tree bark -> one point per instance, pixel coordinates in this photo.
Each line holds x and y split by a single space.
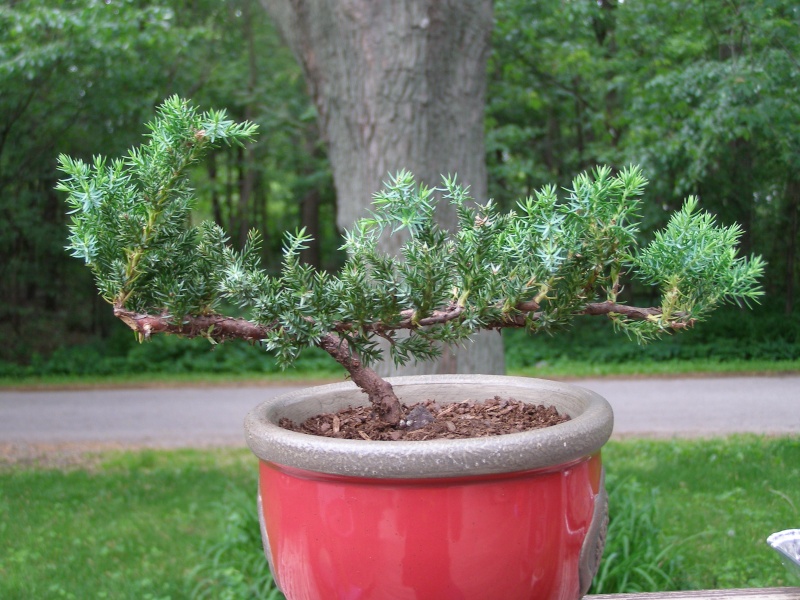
247 167
309 219
247 180
793 228
216 206
398 85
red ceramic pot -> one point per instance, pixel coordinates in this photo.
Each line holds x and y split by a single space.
518 516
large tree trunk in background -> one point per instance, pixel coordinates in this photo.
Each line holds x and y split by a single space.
309 219
398 85
247 166
793 228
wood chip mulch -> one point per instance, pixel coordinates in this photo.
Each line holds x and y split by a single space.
430 421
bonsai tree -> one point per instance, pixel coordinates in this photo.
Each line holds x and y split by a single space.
537 267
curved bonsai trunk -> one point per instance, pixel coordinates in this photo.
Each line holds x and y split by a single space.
380 392
399 85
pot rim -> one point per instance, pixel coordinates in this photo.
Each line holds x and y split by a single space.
583 435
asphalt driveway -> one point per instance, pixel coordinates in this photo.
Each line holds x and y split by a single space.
212 416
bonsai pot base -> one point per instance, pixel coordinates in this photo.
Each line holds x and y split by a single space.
439 520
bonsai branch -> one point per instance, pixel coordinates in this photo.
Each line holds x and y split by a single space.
213 326
516 318
408 320
220 328
637 314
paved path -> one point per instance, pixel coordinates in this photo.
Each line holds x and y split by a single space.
175 417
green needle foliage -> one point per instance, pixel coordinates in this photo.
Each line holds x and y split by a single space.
536 267
130 217
694 264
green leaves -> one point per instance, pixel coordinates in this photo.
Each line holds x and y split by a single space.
701 95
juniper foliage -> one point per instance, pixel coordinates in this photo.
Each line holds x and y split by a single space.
538 266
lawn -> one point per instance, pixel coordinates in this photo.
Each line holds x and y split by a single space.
718 500
131 526
181 524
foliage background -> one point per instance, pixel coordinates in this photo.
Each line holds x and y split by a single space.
703 95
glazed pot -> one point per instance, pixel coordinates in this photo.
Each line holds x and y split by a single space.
515 516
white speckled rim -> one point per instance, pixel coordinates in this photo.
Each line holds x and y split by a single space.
589 428
787 543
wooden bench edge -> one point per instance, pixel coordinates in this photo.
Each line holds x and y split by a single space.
787 593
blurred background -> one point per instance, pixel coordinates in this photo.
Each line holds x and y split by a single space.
703 95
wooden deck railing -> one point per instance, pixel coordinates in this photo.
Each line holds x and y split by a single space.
788 593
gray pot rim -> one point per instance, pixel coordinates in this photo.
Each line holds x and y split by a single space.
589 428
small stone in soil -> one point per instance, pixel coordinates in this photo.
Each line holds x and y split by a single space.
418 417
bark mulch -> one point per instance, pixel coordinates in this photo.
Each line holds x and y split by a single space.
430 421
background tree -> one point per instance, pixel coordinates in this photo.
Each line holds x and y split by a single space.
62 85
81 77
716 114
398 85
700 94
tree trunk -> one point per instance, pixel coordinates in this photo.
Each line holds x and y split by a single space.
247 164
309 219
247 178
216 206
398 85
793 228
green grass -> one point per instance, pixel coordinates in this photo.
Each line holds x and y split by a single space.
234 566
304 376
565 368
637 557
164 358
132 528
181 524
718 500
559 369
732 341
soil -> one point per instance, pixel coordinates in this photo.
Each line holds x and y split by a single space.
430 421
